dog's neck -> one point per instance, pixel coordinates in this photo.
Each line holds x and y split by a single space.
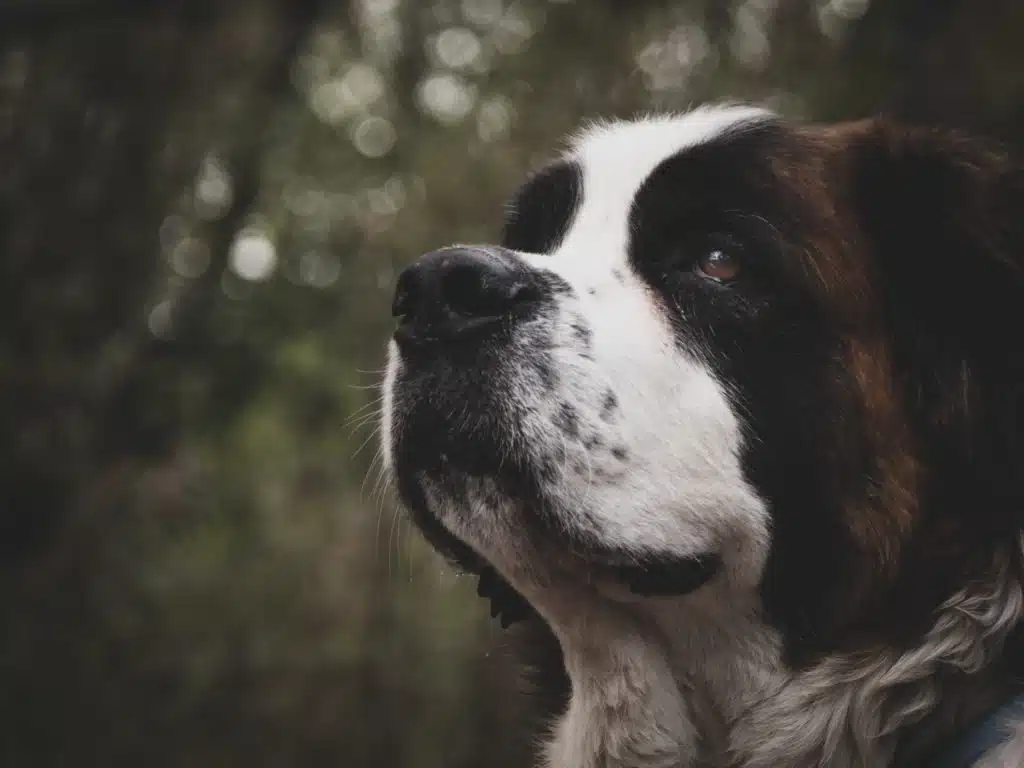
674 681
726 658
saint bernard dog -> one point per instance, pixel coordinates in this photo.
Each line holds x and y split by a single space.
733 419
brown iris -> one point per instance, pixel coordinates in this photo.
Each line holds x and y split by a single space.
719 265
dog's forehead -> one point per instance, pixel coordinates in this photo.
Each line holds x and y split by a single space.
631 149
615 158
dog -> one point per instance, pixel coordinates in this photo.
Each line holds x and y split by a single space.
733 417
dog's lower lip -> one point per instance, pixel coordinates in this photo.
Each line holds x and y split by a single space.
666 577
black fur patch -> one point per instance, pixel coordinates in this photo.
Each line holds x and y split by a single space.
541 212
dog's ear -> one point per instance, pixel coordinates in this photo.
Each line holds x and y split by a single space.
923 274
942 221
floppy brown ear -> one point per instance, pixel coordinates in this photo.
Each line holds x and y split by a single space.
942 216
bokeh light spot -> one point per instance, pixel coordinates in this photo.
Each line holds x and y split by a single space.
374 136
190 257
159 321
483 13
253 256
512 33
494 119
835 15
668 63
394 187
457 47
214 189
319 269
357 90
446 97
329 102
172 230
749 43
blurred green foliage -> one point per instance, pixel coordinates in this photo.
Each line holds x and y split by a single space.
203 206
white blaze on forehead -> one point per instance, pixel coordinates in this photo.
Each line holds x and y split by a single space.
616 158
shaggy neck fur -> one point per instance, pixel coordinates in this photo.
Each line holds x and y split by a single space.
710 690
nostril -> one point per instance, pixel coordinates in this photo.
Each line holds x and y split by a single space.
474 292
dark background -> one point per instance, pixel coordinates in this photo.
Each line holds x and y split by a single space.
203 206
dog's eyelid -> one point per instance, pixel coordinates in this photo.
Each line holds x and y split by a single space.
692 250
724 241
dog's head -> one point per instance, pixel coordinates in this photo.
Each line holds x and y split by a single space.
719 347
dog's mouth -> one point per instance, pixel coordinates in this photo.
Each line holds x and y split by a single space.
670 577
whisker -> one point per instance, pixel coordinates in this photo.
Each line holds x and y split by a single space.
367 418
382 481
377 456
362 409
374 433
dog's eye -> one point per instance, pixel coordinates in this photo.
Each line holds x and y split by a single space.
720 265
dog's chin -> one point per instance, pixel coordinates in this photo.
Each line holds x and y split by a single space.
493 534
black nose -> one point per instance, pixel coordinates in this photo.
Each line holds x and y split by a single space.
453 291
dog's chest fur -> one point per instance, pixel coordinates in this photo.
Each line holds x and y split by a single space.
744 708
